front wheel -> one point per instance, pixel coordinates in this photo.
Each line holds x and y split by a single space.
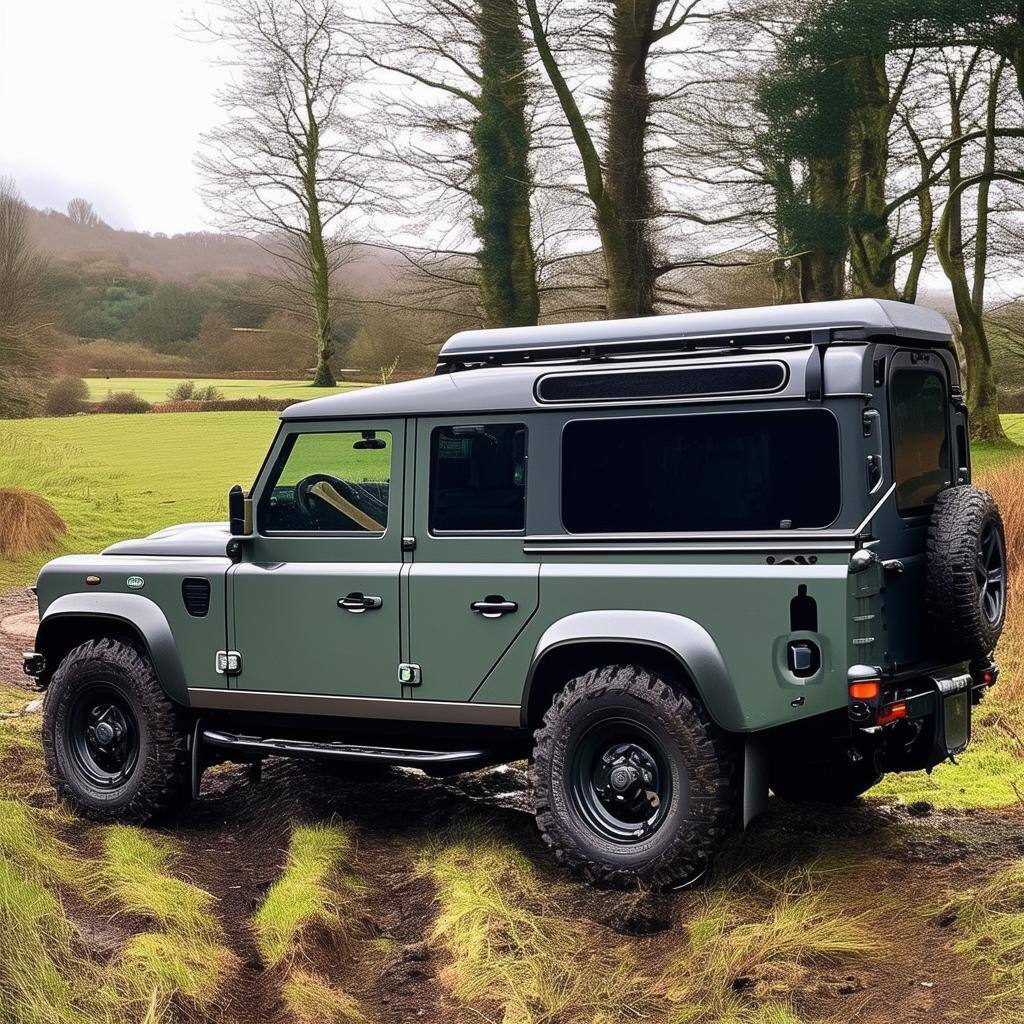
632 782
116 747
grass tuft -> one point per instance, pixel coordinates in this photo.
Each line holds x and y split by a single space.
187 957
742 962
134 874
42 980
510 947
27 839
313 1000
307 894
990 920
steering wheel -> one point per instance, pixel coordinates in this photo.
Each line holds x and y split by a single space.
337 494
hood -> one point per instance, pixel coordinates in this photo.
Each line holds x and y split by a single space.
201 540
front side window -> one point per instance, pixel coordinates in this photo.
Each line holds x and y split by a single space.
920 438
478 478
682 474
335 482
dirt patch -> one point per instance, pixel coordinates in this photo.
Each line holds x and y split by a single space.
18 620
235 838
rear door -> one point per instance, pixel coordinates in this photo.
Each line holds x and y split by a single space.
923 457
470 591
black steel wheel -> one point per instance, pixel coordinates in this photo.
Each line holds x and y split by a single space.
621 780
966 579
632 782
116 746
103 735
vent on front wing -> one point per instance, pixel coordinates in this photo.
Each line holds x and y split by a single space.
195 592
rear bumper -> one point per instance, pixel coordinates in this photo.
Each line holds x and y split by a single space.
919 723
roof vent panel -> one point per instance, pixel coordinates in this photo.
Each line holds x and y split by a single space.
675 382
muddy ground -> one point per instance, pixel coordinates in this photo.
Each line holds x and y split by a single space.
235 837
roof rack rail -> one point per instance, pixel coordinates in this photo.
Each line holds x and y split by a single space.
765 327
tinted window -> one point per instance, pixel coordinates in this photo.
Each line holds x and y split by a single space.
744 471
920 440
335 482
478 478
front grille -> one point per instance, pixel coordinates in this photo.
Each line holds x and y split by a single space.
195 592
681 382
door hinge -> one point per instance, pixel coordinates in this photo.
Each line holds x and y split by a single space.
408 543
228 663
409 674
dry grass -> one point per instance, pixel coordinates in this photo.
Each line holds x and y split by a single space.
750 946
990 921
311 893
28 523
186 956
513 953
312 999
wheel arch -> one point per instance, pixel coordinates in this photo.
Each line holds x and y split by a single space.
660 641
75 618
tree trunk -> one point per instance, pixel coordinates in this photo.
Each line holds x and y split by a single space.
627 180
319 263
982 397
872 268
629 286
504 181
823 264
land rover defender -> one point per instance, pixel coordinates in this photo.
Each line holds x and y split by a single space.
676 562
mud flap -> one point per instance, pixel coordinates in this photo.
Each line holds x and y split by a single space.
755 780
200 758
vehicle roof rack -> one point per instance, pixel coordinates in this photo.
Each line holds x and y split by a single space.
801 324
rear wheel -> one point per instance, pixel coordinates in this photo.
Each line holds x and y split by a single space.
116 747
632 782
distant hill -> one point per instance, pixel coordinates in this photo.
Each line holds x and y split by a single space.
185 257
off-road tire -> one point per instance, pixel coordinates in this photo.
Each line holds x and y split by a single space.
160 780
703 804
837 782
958 523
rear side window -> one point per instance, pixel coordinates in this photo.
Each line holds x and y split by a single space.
478 478
920 438
668 474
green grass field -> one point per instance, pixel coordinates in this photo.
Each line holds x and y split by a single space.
154 389
112 477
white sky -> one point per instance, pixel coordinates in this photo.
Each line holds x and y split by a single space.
106 99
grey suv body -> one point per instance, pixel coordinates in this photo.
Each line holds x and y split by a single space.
675 561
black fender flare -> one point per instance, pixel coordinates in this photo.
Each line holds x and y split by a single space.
687 641
139 613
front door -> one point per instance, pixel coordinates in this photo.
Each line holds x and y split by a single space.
471 593
315 600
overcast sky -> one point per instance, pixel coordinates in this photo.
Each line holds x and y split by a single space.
106 99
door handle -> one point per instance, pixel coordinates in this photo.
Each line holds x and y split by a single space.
493 607
357 603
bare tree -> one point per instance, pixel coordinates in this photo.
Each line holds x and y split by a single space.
285 167
466 146
81 211
619 183
21 270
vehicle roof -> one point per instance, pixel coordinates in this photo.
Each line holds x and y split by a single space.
493 388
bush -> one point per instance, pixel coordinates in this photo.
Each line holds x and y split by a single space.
28 523
67 396
258 404
189 391
122 401
122 357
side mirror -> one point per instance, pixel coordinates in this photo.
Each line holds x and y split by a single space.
239 512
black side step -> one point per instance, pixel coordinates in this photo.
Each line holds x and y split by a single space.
458 760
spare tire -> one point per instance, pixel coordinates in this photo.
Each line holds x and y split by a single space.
966 572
